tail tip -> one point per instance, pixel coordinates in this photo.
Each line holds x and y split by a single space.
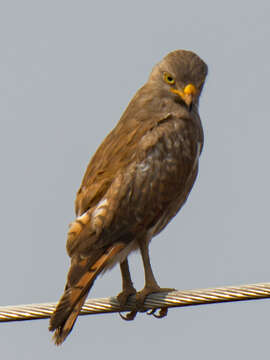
58 337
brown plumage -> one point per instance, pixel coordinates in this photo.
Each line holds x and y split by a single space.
81 277
136 182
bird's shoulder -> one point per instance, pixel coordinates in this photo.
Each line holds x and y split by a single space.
115 153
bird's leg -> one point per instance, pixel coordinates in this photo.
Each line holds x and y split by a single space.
151 285
150 281
128 289
127 284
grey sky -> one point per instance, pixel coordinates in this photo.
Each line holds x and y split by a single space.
68 69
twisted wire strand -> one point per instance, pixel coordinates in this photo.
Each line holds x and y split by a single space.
153 301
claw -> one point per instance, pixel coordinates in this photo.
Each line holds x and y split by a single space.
151 312
162 312
129 316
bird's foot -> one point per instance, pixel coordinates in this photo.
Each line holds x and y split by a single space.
129 316
140 299
141 295
161 314
122 297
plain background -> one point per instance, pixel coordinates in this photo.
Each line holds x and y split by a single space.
67 71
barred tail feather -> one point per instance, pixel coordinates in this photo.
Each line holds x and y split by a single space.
70 304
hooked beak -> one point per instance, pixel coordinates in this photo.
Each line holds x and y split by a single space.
187 95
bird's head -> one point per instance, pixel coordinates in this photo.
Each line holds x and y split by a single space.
181 75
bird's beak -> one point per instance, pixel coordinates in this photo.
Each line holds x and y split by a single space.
188 94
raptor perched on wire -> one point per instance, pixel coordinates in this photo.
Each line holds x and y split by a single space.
137 181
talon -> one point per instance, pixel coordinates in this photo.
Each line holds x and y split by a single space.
151 312
129 316
162 313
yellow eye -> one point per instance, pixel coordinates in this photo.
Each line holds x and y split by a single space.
201 84
168 78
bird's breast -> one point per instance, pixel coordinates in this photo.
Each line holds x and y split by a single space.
163 174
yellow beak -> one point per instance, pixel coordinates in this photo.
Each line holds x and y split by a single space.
188 94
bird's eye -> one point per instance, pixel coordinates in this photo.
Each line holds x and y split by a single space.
201 84
168 78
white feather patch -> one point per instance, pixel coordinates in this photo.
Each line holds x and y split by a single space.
101 207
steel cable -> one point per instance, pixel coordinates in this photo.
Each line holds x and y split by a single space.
153 301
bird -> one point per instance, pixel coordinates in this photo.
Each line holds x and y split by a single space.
136 182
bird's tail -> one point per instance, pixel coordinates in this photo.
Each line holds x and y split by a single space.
81 277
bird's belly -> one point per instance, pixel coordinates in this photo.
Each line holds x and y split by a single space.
172 208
